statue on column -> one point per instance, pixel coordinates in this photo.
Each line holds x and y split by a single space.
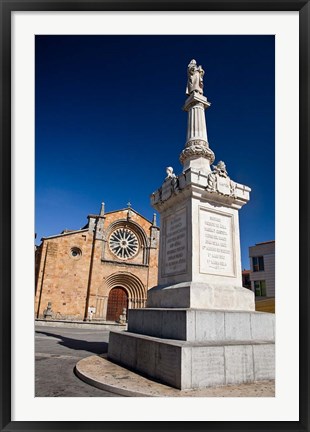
194 78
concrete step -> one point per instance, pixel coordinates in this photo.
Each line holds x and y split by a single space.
189 365
201 324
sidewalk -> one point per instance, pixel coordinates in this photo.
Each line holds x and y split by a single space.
106 325
102 373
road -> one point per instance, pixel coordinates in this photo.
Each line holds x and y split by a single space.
58 349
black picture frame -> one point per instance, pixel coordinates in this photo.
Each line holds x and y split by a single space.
7 7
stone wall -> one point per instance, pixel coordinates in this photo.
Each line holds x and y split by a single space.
77 270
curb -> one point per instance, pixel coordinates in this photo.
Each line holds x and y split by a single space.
80 324
103 386
100 372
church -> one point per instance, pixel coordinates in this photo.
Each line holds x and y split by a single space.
99 271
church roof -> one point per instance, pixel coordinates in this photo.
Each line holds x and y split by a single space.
131 209
66 232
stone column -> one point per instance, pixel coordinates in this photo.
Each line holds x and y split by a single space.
199 253
196 128
197 153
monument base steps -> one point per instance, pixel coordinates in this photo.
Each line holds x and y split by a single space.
197 348
191 365
201 295
198 325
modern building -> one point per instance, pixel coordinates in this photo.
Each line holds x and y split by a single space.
262 276
246 281
98 271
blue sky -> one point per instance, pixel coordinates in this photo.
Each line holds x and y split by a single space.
109 120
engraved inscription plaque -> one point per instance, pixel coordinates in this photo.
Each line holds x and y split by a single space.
175 247
216 243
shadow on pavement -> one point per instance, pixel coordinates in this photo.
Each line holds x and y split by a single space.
78 344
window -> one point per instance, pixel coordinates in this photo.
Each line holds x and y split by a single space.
260 288
123 243
258 264
75 252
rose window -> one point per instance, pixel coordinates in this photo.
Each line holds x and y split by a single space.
123 243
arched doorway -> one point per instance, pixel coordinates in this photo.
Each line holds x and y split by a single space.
117 301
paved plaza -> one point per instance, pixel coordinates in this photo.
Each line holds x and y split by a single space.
58 349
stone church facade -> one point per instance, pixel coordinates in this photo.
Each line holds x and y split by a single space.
99 270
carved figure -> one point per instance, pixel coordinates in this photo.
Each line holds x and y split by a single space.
232 188
220 169
123 317
170 173
211 186
48 313
175 184
194 78
218 181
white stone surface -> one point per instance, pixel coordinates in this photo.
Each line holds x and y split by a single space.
201 296
239 364
208 367
263 326
264 362
175 255
209 326
196 128
238 326
216 249
200 325
190 365
199 164
200 243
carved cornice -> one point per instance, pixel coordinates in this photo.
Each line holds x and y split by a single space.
194 99
196 148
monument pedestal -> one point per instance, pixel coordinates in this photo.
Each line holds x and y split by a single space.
200 327
199 254
201 295
190 348
197 348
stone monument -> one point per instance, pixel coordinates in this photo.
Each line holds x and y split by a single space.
200 327
48 313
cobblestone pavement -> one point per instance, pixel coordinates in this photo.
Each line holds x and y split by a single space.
58 349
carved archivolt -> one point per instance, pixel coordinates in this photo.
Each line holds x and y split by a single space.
131 283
